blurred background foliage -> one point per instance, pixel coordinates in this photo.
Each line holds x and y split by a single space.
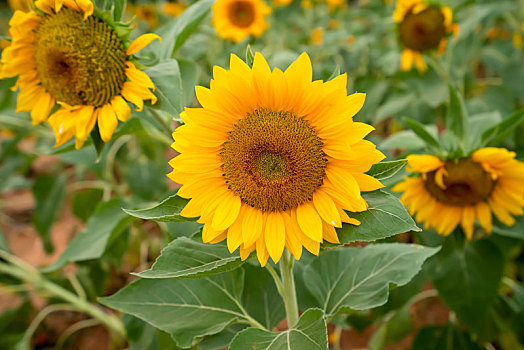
60 206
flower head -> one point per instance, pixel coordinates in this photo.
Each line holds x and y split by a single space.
422 27
448 192
273 159
238 19
175 8
70 57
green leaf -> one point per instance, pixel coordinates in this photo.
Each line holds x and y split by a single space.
189 71
446 337
477 124
309 333
393 329
108 220
359 278
3 242
250 57
167 211
497 134
514 231
142 336
457 116
186 258
385 217
183 27
168 83
261 297
422 133
49 193
84 202
97 141
145 178
407 140
467 277
385 170
336 73
185 308
118 9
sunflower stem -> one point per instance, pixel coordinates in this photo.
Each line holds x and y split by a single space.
288 289
27 273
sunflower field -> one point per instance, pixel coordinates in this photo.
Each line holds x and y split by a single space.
262 174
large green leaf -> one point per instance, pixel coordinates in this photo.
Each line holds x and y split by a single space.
447 337
467 277
49 193
385 217
183 27
308 334
187 258
108 220
497 134
185 308
422 133
261 297
168 83
385 170
456 117
514 231
166 211
359 278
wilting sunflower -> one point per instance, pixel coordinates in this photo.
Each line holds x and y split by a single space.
422 27
452 192
273 159
70 57
238 19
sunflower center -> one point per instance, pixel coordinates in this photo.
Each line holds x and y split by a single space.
424 30
273 160
241 13
466 184
79 62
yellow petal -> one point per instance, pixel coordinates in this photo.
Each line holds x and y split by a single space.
309 222
121 108
326 208
226 212
252 225
275 235
467 221
262 253
208 234
107 122
483 214
406 60
138 76
141 42
366 182
234 233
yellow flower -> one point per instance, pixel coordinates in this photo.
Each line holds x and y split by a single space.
334 4
69 57
449 193
175 8
147 13
272 159
238 19
22 5
317 35
277 3
422 27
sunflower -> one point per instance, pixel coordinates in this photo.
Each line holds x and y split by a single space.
237 19
273 159
175 8
452 192
422 27
68 58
